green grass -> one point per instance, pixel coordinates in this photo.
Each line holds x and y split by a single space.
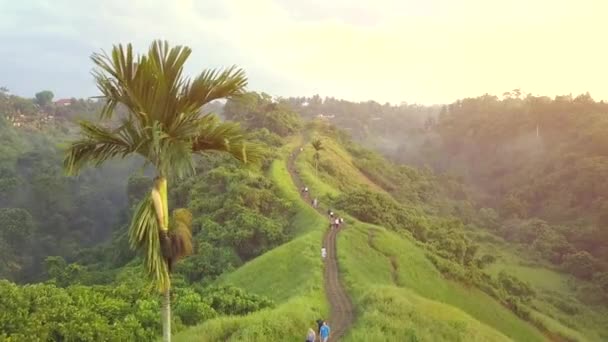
397 314
287 322
540 277
366 267
556 328
343 175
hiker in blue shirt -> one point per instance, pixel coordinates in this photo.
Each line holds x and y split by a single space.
324 334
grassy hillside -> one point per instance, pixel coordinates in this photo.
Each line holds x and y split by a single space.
564 307
291 275
398 292
385 270
374 258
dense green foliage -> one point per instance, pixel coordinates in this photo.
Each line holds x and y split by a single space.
43 212
238 217
365 120
262 111
537 163
126 310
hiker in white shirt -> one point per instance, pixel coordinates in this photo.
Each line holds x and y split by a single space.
323 252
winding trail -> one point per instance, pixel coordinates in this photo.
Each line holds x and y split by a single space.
341 308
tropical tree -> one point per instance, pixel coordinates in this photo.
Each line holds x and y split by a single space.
317 144
165 126
44 98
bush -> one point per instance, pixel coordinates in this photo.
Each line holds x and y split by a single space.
486 260
565 305
516 305
191 308
581 264
515 287
76 313
230 300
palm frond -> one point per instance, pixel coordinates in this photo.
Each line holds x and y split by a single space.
317 144
115 76
152 86
228 137
144 236
215 84
97 145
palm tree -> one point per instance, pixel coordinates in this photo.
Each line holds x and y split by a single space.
317 144
164 125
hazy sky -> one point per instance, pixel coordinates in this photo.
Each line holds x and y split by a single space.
432 51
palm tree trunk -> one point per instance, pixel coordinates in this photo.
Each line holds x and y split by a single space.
159 198
161 207
166 315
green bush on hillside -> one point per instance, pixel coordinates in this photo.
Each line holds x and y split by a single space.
230 300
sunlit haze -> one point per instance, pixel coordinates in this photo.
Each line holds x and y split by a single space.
428 52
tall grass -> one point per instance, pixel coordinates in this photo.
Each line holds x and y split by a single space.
398 314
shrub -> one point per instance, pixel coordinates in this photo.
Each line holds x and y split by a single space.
230 300
486 260
515 287
581 264
191 308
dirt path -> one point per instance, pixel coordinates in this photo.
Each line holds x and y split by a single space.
341 308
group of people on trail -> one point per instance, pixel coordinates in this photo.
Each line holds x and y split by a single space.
334 223
322 331
334 220
314 202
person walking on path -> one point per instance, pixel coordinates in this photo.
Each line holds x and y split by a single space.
324 332
323 253
311 336
319 325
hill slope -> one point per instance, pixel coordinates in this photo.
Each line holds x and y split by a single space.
373 258
562 307
397 291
